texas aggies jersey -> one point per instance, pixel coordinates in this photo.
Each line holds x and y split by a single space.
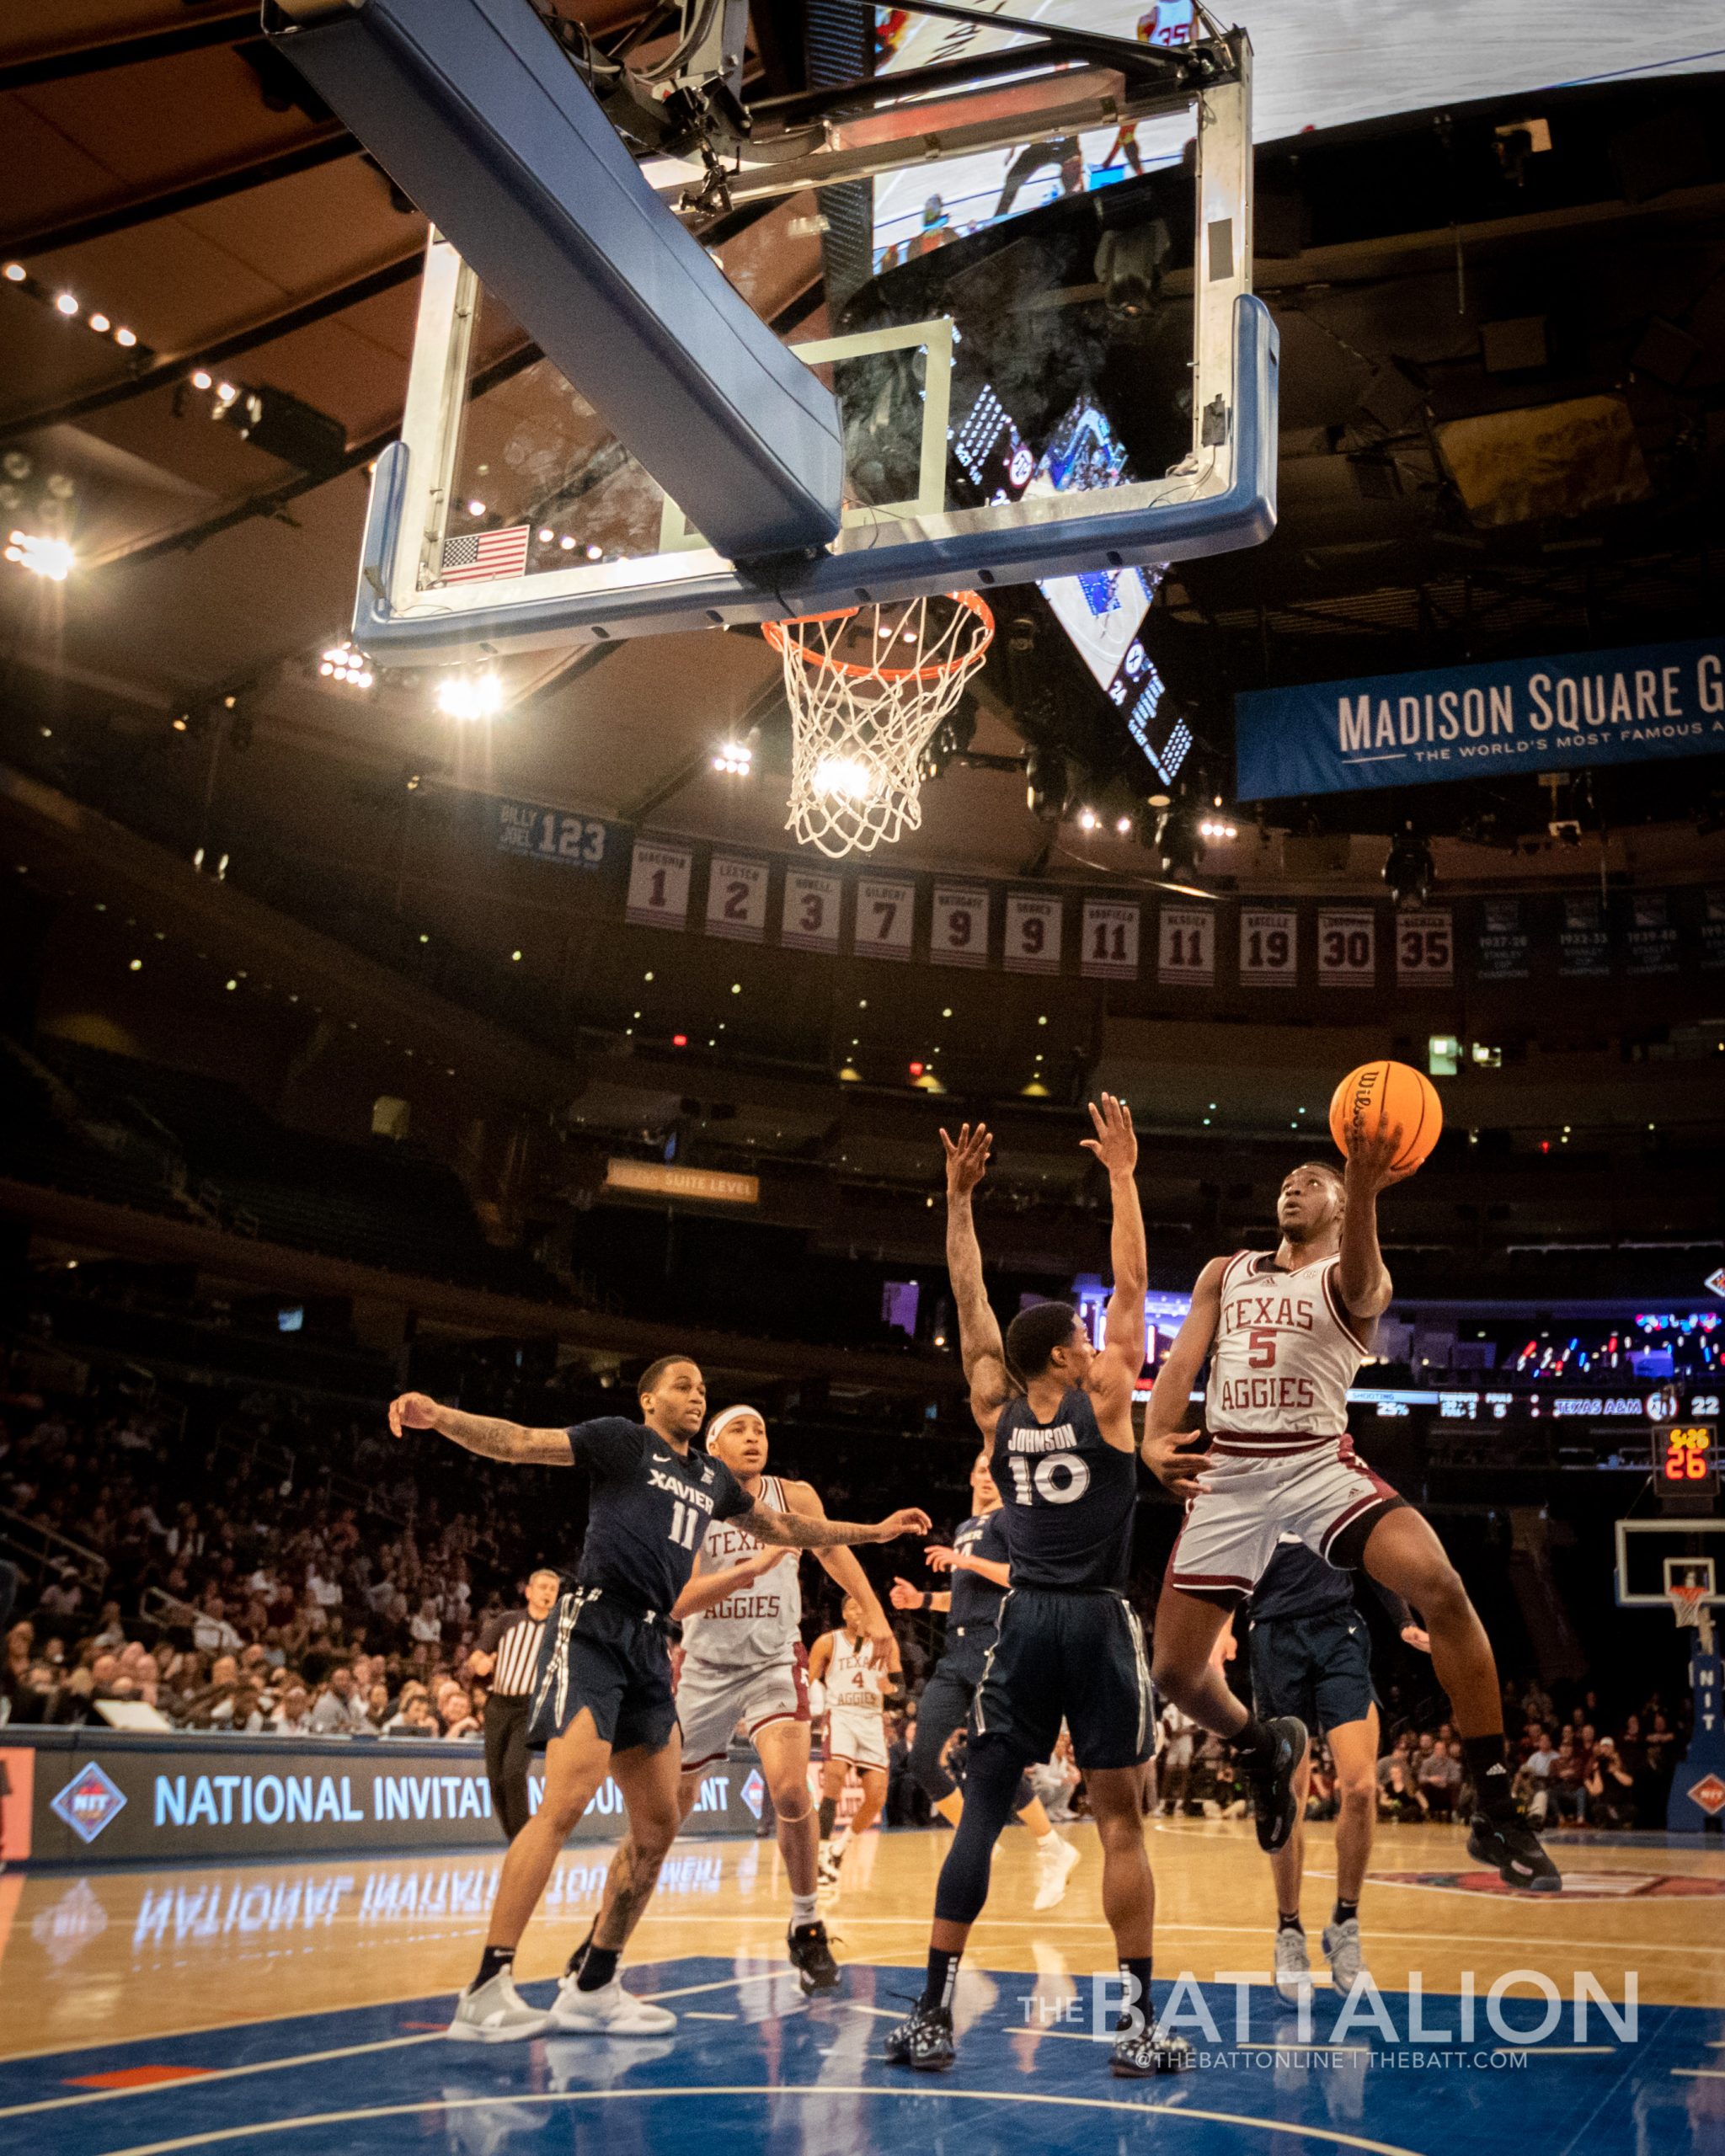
855 1684
1285 1353
762 1621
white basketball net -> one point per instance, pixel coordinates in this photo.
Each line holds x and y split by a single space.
868 687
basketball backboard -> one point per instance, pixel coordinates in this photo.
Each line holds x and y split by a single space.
1014 410
1654 1555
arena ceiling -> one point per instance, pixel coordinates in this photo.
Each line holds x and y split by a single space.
170 176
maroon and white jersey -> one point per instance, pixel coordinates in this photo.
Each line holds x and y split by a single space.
762 1622
1285 1353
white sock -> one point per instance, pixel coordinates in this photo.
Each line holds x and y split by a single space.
1047 1836
805 1910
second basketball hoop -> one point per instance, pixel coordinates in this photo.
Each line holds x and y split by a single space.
868 685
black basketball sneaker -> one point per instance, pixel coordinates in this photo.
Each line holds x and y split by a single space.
1137 2055
811 1956
923 2040
1272 1787
1511 1846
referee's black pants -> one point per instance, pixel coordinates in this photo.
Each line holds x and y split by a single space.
506 1758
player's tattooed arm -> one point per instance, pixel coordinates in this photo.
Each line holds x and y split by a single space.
1115 1371
980 1344
482 1434
802 1498
1167 1421
797 1531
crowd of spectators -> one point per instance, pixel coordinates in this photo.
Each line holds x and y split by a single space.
245 1595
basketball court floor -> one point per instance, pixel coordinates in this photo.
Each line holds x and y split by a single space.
302 2007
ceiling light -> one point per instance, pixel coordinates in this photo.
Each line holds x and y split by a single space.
16 273
470 696
567 544
594 553
845 778
200 380
736 757
50 557
546 535
1123 824
476 509
342 663
67 304
100 324
127 337
1086 819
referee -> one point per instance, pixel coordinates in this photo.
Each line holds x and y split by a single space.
508 1653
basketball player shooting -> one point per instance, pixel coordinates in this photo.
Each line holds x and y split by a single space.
1285 1334
602 1697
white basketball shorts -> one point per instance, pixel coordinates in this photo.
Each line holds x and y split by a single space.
858 1735
1255 1488
711 1700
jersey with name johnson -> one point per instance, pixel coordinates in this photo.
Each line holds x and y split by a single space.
1068 1496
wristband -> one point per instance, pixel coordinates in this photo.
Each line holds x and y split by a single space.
928 1601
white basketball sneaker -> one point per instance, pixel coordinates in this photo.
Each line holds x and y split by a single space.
1056 1860
1342 1952
1293 1966
496 2013
610 2011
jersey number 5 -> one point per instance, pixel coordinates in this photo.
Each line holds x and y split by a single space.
1045 1480
1263 1351
685 1524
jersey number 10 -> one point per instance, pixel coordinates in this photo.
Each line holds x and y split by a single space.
1044 1481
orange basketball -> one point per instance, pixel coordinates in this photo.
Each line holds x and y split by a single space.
1388 1094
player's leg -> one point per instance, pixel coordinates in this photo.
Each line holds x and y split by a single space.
873 1780
1057 1858
490 2010
833 1770
943 1708
1279 1655
590 2000
1293 1960
1188 1629
1353 1747
1403 1552
783 1747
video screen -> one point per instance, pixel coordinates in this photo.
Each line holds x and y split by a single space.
1314 67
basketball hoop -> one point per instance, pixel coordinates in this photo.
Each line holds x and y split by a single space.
1689 1606
862 717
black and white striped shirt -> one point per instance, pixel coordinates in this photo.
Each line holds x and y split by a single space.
514 1638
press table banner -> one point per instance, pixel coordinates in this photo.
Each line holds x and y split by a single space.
1460 722
97 1796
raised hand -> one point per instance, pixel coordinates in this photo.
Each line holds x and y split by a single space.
1174 1467
909 1521
1115 1143
967 1158
941 1558
1371 1160
412 1411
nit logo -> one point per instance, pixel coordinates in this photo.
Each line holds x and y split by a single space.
1710 1793
88 1802
753 1792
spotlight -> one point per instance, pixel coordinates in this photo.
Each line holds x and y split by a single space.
736 757
846 778
16 273
470 696
200 380
127 337
66 305
1217 827
1123 824
100 324
1409 870
1087 819
50 557
342 663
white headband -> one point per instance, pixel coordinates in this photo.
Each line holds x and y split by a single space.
731 1415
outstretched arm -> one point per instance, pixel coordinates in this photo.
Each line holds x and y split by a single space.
980 1344
1115 1370
796 1531
481 1434
942 1557
1167 1422
1362 1278
706 1590
906 1596
842 1564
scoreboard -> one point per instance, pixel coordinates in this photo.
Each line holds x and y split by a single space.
1687 1455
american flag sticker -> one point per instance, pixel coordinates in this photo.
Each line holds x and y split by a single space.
476 556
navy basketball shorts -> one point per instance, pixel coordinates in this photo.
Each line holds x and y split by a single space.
603 1656
1076 1656
1318 1668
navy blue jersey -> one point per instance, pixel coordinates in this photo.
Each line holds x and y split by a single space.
649 1508
1299 1584
975 1600
1068 1494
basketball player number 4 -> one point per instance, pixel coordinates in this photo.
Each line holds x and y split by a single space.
1029 1483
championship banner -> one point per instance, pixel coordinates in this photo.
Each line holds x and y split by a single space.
556 834
1652 938
1634 705
959 933
1713 929
1269 946
1186 948
810 920
659 885
1585 939
1347 947
1500 946
736 898
1033 934
1110 945
886 917
1425 949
